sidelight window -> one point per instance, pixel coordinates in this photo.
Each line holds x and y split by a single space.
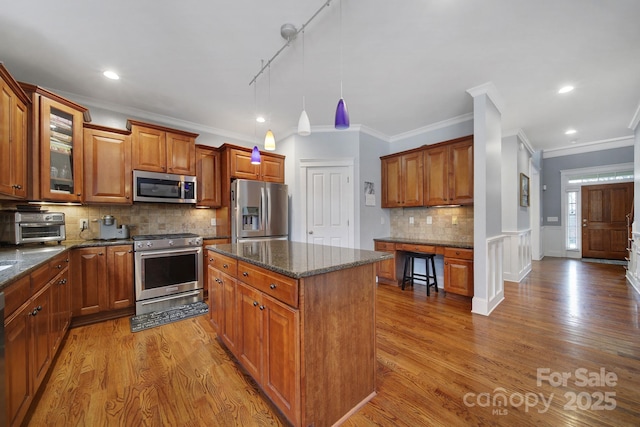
572 220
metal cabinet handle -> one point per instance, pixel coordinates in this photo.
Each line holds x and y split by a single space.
245 274
255 303
262 307
210 259
225 265
100 253
272 286
59 267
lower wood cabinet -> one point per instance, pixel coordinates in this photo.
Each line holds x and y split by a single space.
36 320
102 279
386 270
458 271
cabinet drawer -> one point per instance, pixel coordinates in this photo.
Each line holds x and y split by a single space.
278 286
223 263
16 294
427 249
458 253
385 246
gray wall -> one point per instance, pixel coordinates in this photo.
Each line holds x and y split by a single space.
552 197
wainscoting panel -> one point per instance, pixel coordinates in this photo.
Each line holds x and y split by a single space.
495 277
517 255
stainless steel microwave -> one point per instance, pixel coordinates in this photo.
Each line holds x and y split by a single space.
163 187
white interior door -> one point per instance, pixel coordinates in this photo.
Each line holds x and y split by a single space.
329 206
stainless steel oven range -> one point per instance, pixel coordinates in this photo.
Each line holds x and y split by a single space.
167 270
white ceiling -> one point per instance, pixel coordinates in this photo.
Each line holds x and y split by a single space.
406 64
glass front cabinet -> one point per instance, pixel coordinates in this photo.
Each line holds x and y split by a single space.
57 142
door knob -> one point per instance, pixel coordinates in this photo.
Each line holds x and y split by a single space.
311 232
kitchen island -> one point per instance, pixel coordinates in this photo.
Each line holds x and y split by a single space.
300 318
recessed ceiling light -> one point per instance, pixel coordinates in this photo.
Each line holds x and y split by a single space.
111 75
570 132
260 119
566 89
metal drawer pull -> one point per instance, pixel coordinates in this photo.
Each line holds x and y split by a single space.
273 286
255 303
225 265
245 274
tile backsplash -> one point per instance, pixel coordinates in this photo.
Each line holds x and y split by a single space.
144 218
442 225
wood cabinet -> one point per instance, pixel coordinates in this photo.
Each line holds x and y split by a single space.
36 320
458 271
402 180
208 176
102 279
56 166
160 149
386 270
107 165
13 137
448 177
270 169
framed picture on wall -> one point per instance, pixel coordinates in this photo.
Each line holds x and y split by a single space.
524 190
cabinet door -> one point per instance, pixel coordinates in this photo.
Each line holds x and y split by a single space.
13 143
458 276
88 281
17 354
436 187
149 149
208 176
249 342
229 322
107 167
216 297
40 335
281 353
181 154
61 151
412 179
392 182
272 168
60 308
461 173
120 276
386 269
240 165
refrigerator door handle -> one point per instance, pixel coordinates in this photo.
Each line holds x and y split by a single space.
263 210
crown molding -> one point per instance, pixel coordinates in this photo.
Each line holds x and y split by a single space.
635 119
491 91
432 127
588 147
146 115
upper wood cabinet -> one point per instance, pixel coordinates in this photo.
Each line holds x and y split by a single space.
107 165
402 181
14 119
160 149
448 177
56 139
271 167
208 176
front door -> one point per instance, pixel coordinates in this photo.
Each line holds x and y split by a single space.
604 220
329 202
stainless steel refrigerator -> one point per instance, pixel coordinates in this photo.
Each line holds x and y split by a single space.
260 211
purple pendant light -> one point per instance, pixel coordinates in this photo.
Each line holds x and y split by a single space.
255 155
342 115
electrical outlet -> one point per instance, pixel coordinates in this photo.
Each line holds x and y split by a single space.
84 224
429 219
381 220
213 221
410 220
454 220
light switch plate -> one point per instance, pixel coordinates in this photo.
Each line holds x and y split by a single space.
410 220
429 219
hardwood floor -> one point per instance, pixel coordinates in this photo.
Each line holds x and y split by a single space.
438 364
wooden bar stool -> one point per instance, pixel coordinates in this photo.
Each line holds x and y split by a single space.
408 274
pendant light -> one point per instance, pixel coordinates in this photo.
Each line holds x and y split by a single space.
304 127
269 139
342 115
255 153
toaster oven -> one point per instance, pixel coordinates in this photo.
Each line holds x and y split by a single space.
17 227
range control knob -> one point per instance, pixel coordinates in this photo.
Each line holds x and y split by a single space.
170 243
149 244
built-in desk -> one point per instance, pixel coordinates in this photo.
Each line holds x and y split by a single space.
457 261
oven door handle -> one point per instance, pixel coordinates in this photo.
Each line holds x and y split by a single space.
174 296
169 251
39 224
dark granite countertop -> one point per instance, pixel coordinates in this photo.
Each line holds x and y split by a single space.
296 259
432 242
